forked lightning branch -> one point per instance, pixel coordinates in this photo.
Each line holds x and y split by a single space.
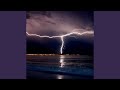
62 37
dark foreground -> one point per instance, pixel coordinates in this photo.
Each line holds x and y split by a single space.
59 67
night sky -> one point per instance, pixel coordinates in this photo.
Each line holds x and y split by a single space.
54 23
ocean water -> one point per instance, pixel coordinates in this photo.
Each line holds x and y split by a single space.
60 67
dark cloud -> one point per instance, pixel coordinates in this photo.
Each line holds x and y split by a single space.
59 22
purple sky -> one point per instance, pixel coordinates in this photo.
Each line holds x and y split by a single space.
58 22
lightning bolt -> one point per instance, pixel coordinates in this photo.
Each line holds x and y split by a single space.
61 48
62 37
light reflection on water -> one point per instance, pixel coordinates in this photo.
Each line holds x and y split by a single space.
60 77
62 63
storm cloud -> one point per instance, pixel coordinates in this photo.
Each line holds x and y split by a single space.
58 22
